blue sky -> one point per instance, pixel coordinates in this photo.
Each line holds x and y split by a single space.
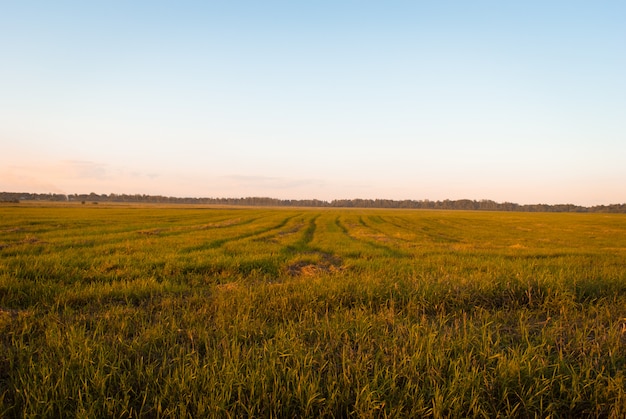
510 101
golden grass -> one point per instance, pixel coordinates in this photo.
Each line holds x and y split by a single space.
146 311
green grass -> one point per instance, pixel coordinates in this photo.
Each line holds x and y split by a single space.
117 311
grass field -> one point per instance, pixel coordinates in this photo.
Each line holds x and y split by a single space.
114 311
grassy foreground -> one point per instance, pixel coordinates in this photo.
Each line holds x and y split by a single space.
196 312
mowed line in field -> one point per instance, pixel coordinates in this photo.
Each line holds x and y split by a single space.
273 253
434 230
303 258
390 231
215 243
352 226
286 233
381 234
288 250
147 235
302 244
105 256
442 230
120 227
272 241
407 234
326 238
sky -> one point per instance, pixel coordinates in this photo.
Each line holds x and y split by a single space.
510 101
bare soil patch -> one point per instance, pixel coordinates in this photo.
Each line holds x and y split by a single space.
328 264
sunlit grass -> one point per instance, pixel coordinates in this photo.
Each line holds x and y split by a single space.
158 312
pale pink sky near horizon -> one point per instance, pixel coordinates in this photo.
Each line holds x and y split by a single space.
399 100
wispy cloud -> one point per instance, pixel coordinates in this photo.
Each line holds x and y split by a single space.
83 169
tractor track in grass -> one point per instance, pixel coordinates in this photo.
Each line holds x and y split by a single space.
276 237
302 245
214 244
403 230
387 237
374 245
427 227
108 238
310 260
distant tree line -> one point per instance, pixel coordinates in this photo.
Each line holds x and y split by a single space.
459 204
